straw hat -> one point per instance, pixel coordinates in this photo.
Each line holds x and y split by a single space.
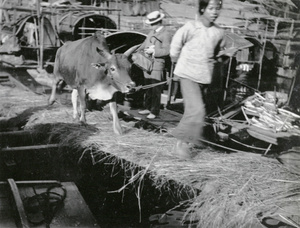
154 17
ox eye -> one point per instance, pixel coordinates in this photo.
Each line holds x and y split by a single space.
112 68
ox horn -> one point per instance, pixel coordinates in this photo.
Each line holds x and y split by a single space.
131 50
105 54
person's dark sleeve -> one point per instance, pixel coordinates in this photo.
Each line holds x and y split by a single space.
164 49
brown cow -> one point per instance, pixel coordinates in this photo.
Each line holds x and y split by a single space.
88 67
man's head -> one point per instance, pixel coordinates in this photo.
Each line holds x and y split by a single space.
154 18
210 9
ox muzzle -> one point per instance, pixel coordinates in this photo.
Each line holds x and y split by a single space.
131 87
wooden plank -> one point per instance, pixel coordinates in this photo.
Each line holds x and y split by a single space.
22 218
74 213
166 118
33 183
18 83
262 137
17 133
6 210
270 133
25 148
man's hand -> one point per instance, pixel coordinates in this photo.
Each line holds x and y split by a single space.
149 50
244 67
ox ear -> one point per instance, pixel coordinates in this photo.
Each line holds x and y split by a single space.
104 53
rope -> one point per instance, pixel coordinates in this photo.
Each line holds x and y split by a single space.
41 208
137 88
224 147
252 147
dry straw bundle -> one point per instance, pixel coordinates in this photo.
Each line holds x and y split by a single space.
237 189
14 101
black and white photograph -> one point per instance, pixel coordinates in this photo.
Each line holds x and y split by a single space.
150 113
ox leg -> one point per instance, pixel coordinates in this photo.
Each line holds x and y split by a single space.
81 93
116 122
53 92
74 103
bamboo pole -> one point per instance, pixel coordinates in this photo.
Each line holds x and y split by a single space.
291 89
41 31
29 148
36 39
119 20
2 2
171 75
14 27
64 8
227 79
262 57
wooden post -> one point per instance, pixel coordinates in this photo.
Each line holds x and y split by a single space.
292 28
170 84
36 40
40 30
262 57
14 26
1 4
291 89
42 42
21 215
275 29
119 20
83 28
268 149
227 79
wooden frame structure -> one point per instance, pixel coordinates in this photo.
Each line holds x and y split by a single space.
271 33
51 12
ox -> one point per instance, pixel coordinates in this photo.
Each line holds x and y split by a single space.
88 67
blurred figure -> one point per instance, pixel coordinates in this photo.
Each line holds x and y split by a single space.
195 47
157 46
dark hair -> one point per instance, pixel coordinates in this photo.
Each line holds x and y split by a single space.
204 3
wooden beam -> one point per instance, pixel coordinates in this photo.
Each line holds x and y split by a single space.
15 133
18 203
26 148
262 137
33 182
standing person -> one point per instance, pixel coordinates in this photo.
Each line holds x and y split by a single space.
194 47
156 45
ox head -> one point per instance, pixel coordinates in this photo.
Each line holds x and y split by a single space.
117 68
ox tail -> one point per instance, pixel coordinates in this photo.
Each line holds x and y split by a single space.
57 82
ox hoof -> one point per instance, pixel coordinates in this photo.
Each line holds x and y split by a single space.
118 131
82 119
182 151
75 117
83 123
51 102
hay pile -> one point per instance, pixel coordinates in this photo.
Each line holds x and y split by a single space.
237 189
14 100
